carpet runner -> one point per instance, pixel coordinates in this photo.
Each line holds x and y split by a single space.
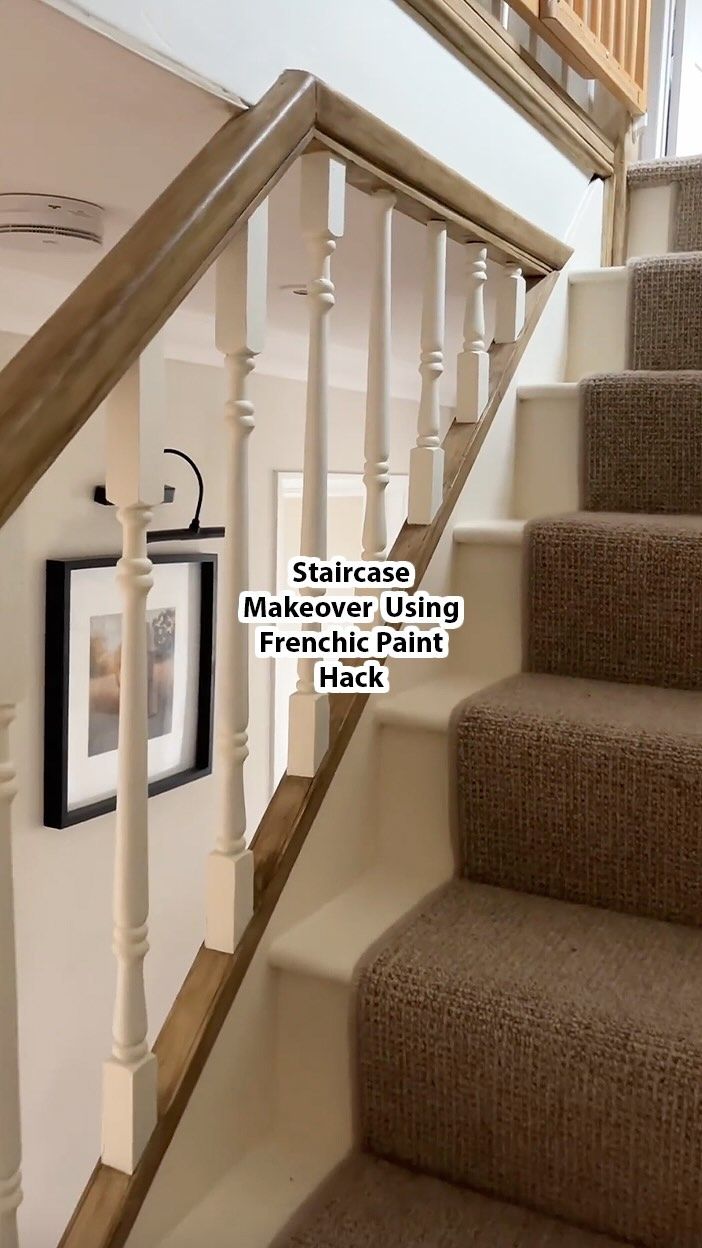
534 1032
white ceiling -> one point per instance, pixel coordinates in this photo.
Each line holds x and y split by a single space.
84 117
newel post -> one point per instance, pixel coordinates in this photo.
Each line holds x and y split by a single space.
473 362
323 202
239 332
427 457
510 303
12 678
376 470
136 412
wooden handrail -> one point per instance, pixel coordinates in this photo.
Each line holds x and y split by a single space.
67 368
56 381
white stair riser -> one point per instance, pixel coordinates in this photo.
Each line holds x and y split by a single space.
413 801
314 1062
597 318
489 576
547 453
651 220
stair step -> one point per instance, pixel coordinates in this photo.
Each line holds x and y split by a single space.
546 1053
664 199
585 791
547 450
610 597
642 442
597 320
370 1203
665 330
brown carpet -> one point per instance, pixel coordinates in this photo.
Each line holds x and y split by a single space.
586 791
665 295
686 173
616 597
642 446
534 1033
372 1204
546 1053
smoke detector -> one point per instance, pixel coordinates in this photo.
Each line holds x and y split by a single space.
49 222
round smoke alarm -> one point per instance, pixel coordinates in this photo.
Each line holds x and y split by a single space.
49 222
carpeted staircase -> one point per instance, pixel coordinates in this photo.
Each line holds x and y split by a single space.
534 1033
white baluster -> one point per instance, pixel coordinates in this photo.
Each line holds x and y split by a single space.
13 662
510 303
427 457
239 331
323 191
474 362
135 439
376 474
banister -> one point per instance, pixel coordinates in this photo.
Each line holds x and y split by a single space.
409 169
55 382
67 368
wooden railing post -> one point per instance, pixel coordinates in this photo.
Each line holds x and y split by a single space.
239 332
427 457
510 303
376 471
135 438
474 362
13 664
323 202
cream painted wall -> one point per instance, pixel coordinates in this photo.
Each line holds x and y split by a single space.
379 54
64 878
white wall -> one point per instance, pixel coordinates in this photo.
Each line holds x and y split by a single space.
64 878
380 55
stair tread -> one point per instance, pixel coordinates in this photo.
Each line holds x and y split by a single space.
628 524
604 705
533 1049
562 957
370 1203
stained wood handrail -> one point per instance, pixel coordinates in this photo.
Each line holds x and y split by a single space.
56 381
478 37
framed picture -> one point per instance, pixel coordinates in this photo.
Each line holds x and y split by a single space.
82 675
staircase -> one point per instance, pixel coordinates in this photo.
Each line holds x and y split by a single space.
526 1037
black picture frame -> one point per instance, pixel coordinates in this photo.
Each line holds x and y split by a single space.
56 686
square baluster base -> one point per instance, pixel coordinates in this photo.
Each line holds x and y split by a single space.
426 483
229 899
308 732
128 1111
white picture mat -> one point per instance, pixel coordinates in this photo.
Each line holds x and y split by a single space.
95 592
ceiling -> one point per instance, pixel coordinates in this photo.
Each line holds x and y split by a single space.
84 117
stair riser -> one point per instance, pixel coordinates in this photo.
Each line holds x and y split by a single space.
651 220
489 576
314 1063
597 320
413 802
547 454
